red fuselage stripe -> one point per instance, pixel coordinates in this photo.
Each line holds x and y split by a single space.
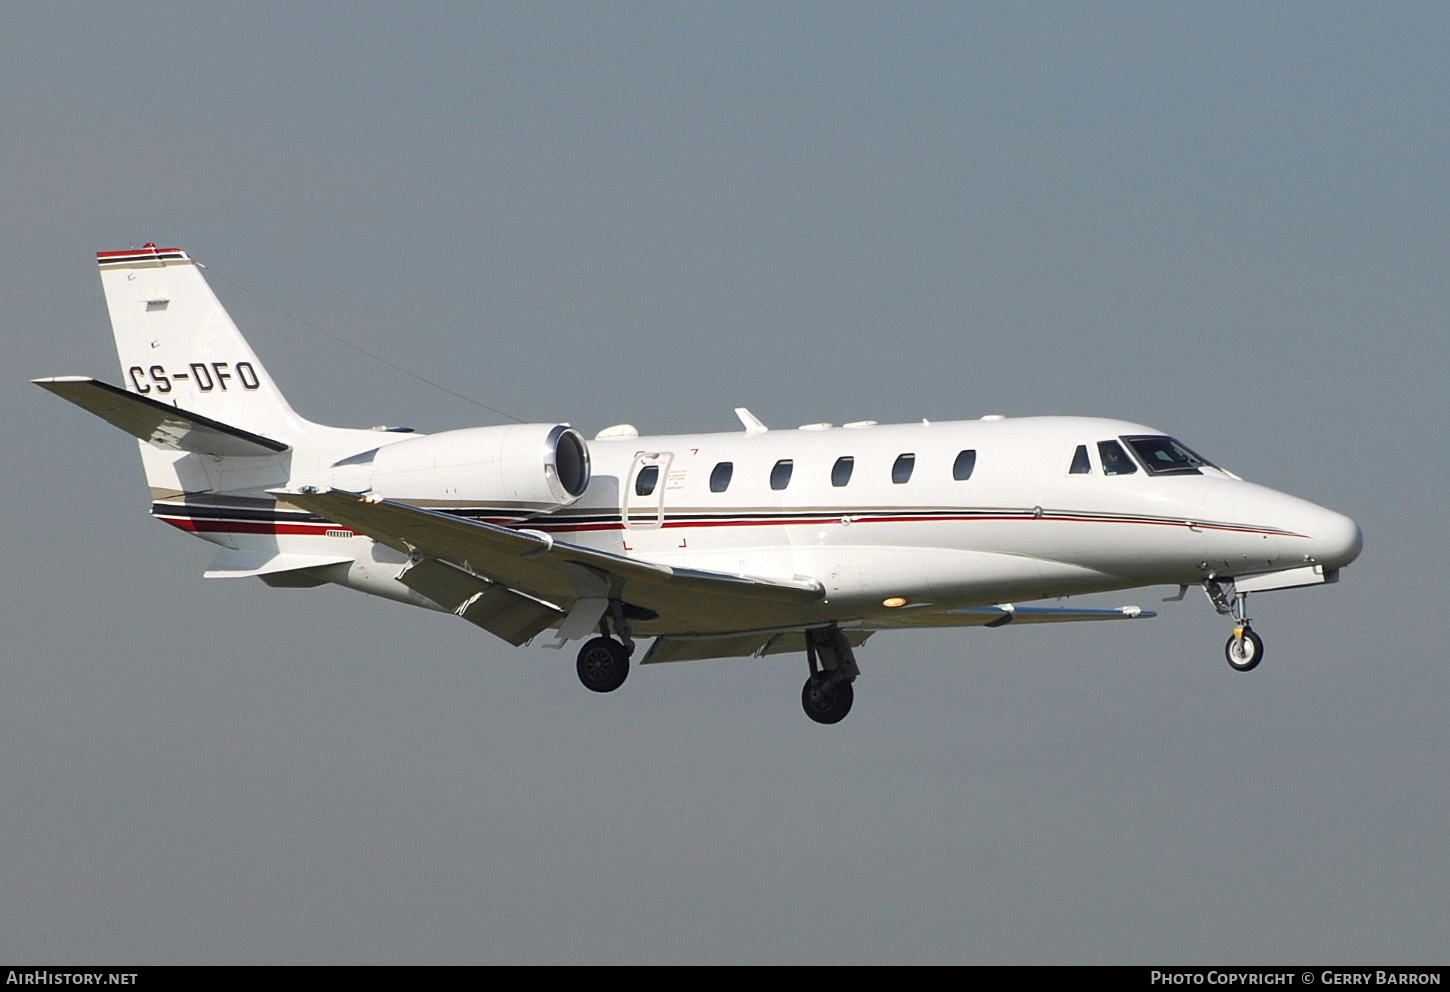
322 529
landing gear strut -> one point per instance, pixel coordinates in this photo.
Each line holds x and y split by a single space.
1245 649
827 694
603 663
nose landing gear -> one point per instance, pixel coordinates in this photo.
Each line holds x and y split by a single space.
1245 649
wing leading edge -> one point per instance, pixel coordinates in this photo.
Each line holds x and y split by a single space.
761 643
1011 613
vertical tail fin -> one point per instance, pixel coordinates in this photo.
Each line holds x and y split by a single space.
178 346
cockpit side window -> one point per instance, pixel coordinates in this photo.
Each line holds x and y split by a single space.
1080 463
1166 456
1115 459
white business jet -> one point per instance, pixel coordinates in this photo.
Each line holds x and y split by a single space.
726 545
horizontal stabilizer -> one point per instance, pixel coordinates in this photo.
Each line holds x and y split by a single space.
156 423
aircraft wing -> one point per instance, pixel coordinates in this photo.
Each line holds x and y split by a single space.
578 581
156 423
764 642
1011 613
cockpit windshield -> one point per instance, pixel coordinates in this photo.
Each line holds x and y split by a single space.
1166 455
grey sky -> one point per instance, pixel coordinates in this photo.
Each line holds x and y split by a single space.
1225 220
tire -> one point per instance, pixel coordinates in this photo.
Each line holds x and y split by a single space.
830 706
1244 653
603 664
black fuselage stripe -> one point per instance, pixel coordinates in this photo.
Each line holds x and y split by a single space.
564 522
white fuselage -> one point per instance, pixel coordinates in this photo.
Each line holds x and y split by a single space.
1021 526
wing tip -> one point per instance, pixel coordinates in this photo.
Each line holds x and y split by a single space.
52 380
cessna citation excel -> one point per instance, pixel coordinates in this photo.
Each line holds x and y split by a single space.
740 544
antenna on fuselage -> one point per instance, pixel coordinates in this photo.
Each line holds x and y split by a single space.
753 424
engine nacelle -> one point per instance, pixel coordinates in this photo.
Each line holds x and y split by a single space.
519 470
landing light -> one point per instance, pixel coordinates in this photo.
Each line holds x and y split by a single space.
894 602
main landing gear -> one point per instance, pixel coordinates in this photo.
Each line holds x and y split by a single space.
603 663
1245 649
825 701
827 694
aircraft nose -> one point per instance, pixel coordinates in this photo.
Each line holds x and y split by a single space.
1337 540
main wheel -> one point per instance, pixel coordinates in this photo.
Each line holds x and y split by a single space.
827 705
1244 652
603 664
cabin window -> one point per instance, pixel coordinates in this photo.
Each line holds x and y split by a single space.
645 482
1166 456
720 477
901 469
841 471
962 467
1115 459
780 475
1080 463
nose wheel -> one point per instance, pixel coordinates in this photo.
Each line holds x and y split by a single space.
1245 649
